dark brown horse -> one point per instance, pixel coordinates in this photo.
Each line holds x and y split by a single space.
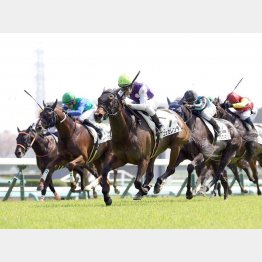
256 148
134 142
217 154
76 146
44 148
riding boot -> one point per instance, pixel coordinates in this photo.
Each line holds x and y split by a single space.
251 130
214 123
97 129
157 122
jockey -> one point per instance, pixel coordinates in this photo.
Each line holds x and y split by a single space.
138 96
203 107
81 109
243 108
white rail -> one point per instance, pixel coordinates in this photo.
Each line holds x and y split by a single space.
32 162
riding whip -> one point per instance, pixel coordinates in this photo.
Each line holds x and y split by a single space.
237 84
34 100
235 87
135 77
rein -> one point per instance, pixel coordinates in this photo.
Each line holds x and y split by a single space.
32 142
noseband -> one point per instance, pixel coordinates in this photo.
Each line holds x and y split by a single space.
111 109
27 144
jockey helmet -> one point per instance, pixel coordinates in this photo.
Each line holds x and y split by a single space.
124 81
233 98
190 96
68 97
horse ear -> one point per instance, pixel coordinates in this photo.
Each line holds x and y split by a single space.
18 130
54 105
44 103
168 101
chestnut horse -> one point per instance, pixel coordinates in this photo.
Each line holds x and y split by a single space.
134 142
217 154
76 146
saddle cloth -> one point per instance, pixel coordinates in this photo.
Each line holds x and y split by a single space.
225 135
168 119
105 129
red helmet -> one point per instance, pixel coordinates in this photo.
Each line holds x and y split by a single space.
233 98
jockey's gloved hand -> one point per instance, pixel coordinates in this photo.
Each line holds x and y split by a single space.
190 106
227 105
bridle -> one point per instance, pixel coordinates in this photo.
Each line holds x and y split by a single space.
27 143
110 109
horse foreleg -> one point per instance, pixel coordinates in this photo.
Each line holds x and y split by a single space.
255 175
141 169
114 183
52 188
245 165
93 184
79 161
224 182
149 175
174 160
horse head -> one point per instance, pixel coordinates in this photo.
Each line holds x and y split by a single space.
109 103
24 141
222 112
48 117
181 109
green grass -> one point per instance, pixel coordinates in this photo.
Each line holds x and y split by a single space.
238 212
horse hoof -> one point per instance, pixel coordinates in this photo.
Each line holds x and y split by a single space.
95 195
201 193
138 196
117 191
41 185
108 202
157 188
42 199
189 196
57 196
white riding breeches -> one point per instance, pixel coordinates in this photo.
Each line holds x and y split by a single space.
150 106
209 112
243 115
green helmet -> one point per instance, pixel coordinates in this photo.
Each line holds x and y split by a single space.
124 81
68 97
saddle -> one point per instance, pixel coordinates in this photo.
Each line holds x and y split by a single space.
224 135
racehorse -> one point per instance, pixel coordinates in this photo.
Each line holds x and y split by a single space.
256 154
191 152
44 148
133 141
77 147
217 154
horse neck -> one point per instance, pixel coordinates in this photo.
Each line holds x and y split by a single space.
120 126
40 145
189 118
65 125
227 116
